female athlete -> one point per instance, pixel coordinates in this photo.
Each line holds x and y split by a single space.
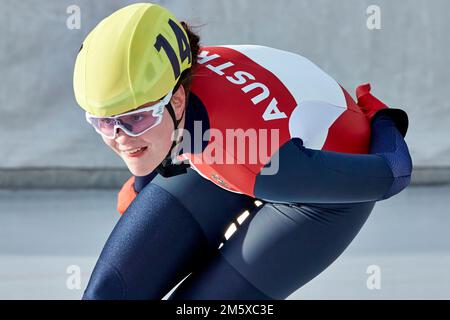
206 131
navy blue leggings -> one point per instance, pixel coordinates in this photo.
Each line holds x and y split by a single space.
174 227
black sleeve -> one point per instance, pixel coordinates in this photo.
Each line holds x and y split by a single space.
316 176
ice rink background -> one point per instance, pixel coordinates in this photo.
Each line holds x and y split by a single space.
406 237
55 210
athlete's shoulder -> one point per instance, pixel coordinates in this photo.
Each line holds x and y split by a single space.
300 76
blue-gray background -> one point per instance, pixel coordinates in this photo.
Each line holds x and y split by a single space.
406 61
45 142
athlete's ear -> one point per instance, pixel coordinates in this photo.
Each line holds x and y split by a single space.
178 101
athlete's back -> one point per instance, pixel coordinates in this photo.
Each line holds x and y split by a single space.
255 88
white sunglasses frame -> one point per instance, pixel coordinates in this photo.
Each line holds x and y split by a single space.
158 110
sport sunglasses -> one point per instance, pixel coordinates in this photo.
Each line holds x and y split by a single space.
134 123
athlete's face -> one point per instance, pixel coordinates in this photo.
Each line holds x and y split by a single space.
154 144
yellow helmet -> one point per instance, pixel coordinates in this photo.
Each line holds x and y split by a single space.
134 56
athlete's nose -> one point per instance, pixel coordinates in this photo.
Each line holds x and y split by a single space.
122 137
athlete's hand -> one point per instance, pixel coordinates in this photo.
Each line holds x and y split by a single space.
371 107
126 195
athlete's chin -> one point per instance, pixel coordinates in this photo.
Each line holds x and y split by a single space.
141 167
140 171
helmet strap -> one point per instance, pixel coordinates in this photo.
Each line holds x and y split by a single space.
166 168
